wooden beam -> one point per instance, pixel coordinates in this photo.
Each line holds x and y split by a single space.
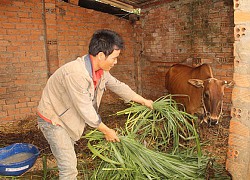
75 2
119 4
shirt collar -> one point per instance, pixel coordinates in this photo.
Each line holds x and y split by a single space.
96 75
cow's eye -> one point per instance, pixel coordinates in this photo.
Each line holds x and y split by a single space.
206 95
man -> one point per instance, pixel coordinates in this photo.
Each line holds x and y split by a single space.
73 94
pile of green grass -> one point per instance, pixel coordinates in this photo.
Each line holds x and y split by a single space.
131 160
150 146
163 127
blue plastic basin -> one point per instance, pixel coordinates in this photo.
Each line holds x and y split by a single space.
17 158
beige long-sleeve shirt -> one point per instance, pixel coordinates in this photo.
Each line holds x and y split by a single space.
69 96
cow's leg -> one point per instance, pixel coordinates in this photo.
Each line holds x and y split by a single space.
200 124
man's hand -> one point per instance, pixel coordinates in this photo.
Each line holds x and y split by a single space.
148 103
110 134
143 101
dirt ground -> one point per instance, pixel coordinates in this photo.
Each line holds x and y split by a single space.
215 139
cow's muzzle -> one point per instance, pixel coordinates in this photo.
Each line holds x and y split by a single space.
212 122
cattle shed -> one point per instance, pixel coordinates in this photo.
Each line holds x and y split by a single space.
38 36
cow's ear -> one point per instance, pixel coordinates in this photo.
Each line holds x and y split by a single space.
229 84
196 82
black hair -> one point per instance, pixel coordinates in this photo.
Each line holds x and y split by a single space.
105 41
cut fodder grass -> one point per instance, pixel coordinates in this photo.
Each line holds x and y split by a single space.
161 126
131 160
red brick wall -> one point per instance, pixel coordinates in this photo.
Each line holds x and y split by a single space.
28 43
166 34
184 32
22 73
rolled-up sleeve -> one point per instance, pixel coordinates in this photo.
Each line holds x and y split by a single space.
77 87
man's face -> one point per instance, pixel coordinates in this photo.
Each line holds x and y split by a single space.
108 62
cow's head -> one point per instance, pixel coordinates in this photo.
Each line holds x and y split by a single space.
211 97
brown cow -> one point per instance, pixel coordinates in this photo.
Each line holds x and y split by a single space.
197 90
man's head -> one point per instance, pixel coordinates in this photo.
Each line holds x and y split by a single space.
105 41
105 47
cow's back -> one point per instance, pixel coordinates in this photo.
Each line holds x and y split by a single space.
177 83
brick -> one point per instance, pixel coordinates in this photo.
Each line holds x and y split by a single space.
8 107
25 20
25 48
12 31
34 110
11 101
3 49
20 82
37 21
13 8
21 105
23 14
239 129
25 110
3 114
12 48
2 102
18 3
20 117
8 118
36 48
22 26
12 112
4 43
241 17
34 15
5 2
2 90
8 25
7 55
37 58
11 38
23 99
32 104
10 14
13 19
36 98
